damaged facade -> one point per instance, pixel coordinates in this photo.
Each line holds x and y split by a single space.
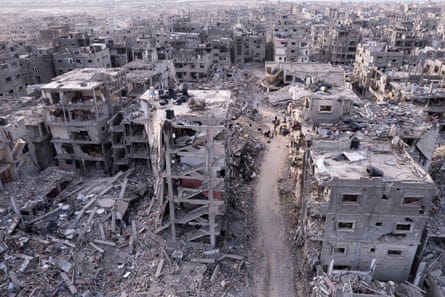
370 206
129 139
189 153
79 105
26 140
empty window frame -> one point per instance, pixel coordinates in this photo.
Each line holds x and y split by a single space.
325 109
414 201
350 198
402 228
394 253
339 251
345 226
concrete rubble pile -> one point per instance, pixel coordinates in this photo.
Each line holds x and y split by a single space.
75 236
398 119
65 227
404 117
431 270
360 284
246 144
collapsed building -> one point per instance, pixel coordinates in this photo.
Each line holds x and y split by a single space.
374 54
8 172
403 38
359 284
188 148
79 105
86 125
129 139
279 74
26 139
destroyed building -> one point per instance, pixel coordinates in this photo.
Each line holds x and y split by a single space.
343 43
38 67
79 105
402 37
326 105
278 74
72 40
248 45
143 50
8 171
291 41
143 75
11 80
29 138
119 47
189 150
359 284
365 199
366 202
93 56
53 32
184 162
194 64
129 139
374 54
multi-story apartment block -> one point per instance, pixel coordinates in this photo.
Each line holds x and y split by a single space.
343 44
11 79
374 54
37 68
189 150
366 202
93 56
248 46
79 105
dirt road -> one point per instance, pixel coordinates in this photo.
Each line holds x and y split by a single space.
274 277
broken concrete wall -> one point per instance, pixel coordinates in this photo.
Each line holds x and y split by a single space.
308 72
129 136
36 136
319 110
80 132
8 171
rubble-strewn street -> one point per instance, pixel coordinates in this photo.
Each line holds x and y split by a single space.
275 272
